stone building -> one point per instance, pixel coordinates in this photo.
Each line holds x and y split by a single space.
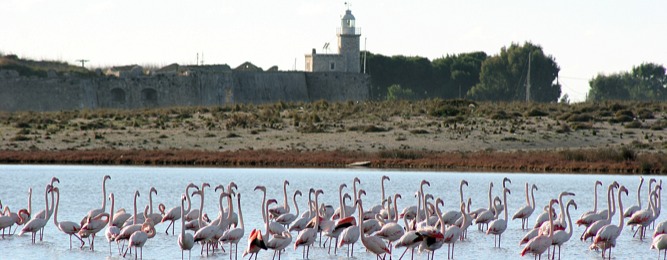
347 59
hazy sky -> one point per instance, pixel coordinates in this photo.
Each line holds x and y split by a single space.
585 37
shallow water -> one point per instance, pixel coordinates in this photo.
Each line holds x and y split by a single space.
80 188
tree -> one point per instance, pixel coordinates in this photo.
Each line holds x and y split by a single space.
396 92
503 77
646 82
612 87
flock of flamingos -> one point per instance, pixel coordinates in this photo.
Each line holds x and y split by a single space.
424 228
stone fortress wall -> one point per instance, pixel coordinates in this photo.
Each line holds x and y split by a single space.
195 87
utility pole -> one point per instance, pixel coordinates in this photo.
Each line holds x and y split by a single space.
365 52
83 62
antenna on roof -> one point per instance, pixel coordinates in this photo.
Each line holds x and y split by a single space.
326 47
83 62
348 5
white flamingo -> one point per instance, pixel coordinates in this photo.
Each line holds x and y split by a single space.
205 232
643 217
526 211
35 224
541 243
287 218
392 231
374 244
450 217
660 243
634 208
138 238
234 235
498 226
94 212
307 236
68 227
279 210
112 231
156 217
606 237
174 213
185 240
127 231
595 227
454 233
561 236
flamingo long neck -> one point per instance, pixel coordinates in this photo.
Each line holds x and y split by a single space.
238 201
361 217
439 213
461 192
490 199
182 217
464 215
310 203
50 211
505 204
569 221
395 209
382 190
30 200
551 221
296 206
134 221
342 204
419 206
150 202
55 214
613 202
110 212
266 220
639 191
562 208
317 213
609 203
620 209
46 199
650 187
221 209
264 204
532 194
595 203
104 194
285 196
187 197
201 207
354 189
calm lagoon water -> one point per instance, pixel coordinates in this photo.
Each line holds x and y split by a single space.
80 188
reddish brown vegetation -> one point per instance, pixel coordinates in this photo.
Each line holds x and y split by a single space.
533 161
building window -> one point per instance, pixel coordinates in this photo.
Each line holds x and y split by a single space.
332 66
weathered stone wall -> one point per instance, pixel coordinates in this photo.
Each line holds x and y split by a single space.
196 89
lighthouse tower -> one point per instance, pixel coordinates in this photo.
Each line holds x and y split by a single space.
348 58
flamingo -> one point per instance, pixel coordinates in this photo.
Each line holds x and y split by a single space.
279 210
450 217
120 217
377 208
541 242
6 220
307 236
185 240
634 208
234 235
174 213
595 227
643 217
560 236
68 227
258 241
345 221
499 208
498 226
465 221
156 217
303 220
45 214
127 231
560 223
486 216
112 231
453 233
274 228
287 218
276 242
23 215
392 231
606 237
94 212
374 244
350 236
526 211
139 238
204 233
35 224
660 243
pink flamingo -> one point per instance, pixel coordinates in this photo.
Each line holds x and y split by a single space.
112 231
454 233
560 236
541 243
68 227
374 244
307 236
593 215
234 235
450 217
156 217
35 224
279 210
593 228
634 208
498 226
606 237
392 231
174 213
127 231
140 237
526 211
287 218
643 217
660 243
94 212
185 240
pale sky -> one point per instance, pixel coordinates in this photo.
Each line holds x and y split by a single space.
585 37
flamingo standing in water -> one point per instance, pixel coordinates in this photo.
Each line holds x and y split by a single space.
35 224
454 233
68 227
643 217
279 210
156 217
287 218
139 238
127 231
660 243
112 231
561 236
185 240
634 208
593 228
541 243
591 216
307 236
276 242
526 211
174 213
498 226
606 237
234 235
450 217
94 212
374 244
392 231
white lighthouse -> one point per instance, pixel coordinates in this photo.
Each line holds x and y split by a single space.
348 58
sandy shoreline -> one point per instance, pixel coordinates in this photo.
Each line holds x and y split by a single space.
412 135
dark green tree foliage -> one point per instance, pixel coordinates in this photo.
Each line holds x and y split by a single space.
503 77
646 82
456 74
